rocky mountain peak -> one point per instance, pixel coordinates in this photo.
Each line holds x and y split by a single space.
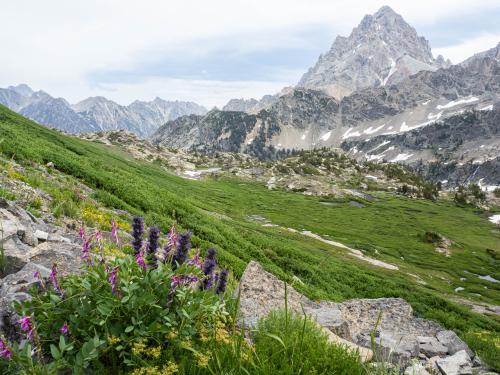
22 89
383 49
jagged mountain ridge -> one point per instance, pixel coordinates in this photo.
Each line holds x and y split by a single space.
382 50
96 113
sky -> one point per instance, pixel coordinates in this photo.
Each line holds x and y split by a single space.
205 51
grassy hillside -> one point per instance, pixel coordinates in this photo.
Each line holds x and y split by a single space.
389 228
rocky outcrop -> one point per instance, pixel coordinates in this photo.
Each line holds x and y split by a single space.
397 335
29 246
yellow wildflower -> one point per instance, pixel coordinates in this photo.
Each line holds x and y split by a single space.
186 344
221 334
139 347
170 369
172 335
112 340
154 352
203 359
204 335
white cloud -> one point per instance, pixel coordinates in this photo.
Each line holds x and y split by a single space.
57 44
459 52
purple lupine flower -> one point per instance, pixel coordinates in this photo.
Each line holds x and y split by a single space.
182 248
82 233
86 250
37 275
221 287
196 260
154 236
183 280
139 259
113 280
27 326
114 232
54 280
172 242
137 233
208 268
64 329
5 351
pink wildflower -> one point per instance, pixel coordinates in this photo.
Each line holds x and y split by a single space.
54 280
64 329
139 258
113 279
5 351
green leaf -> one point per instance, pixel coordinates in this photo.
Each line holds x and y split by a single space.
62 343
277 339
129 329
55 298
125 299
55 352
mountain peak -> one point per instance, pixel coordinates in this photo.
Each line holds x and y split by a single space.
380 46
22 89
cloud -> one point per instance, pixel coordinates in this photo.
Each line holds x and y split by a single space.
74 49
466 48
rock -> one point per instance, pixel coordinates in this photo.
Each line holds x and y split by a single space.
41 235
66 256
457 364
21 281
261 292
431 364
50 165
416 369
27 236
392 346
431 347
453 342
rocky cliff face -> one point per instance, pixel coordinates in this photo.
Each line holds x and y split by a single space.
381 51
94 114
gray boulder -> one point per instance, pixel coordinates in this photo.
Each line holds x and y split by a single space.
453 342
457 364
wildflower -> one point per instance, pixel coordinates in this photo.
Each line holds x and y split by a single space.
137 233
139 259
98 239
196 260
113 280
170 369
221 287
5 351
202 360
208 268
204 335
183 280
113 340
172 335
37 275
139 347
27 326
114 232
81 233
183 248
186 344
64 329
54 280
86 250
221 333
172 242
154 352
154 236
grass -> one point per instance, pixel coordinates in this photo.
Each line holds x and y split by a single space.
389 228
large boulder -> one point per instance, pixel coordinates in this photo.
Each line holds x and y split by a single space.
453 343
457 364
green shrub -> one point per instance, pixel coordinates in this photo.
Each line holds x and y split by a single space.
6 194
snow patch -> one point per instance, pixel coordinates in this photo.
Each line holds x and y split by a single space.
488 278
326 136
391 72
495 219
303 137
380 145
401 157
348 134
487 108
458 102
370 130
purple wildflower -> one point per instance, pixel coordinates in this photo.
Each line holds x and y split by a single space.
196 260
37 275
114 232
208 268
139 259
221 287
82 233
27 326
183 280
64 329
172 242
113 280
5 351
54 280
98 239
86 250
137 233
182 248
154 236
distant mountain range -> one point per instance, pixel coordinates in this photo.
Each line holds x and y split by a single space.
96 113
370 94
